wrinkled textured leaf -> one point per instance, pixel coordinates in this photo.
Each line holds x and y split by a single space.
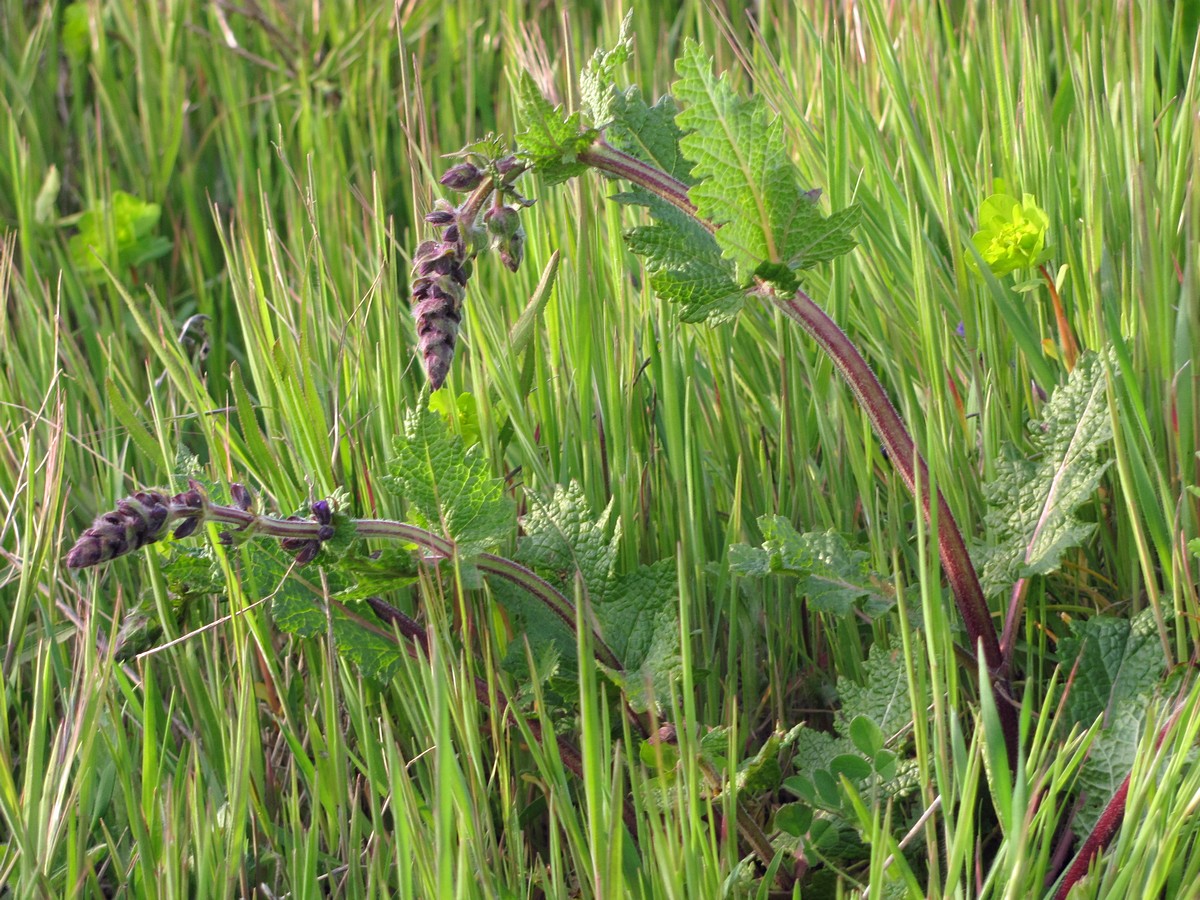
635 612
686 266
551 142
563 538
1032 502
449 489
1118 663
746 184
376 654
882 698
831 574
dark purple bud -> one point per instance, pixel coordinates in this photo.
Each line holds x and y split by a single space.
462 177
506 164
430 268
308 553
225 538
137 521
322 513
88 551
441 214
326 533
187 527
452 235
240 496
192 499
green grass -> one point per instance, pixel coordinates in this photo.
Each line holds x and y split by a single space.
293 158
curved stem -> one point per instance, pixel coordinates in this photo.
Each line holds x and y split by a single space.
436 546
901 449
603 156
952 550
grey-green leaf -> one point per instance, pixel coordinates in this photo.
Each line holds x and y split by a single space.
1032 503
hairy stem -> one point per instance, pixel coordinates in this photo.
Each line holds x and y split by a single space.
952 550
603 156
902 451
145 518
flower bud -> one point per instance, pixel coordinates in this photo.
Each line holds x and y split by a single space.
240 496
441 214
501 221
512 249
463 177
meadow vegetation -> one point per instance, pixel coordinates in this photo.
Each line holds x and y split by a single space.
642 601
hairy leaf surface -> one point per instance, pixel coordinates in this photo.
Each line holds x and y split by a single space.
746 184
450 490
1118 666
635 612
551 140
1032 503
832 574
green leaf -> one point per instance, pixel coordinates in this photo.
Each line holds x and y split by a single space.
646 132
118 234
746 183
563 538
384 570
1118 665
794 818
462 412
851 765
551 142
1032 502
761 773
868 737
883 698
376 652
636 612
449 489
76 33
596 88
638 619
686 266
831 574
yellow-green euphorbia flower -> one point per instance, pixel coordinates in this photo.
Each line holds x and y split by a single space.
1012 233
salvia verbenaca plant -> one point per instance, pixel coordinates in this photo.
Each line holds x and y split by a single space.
730 223
486 219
